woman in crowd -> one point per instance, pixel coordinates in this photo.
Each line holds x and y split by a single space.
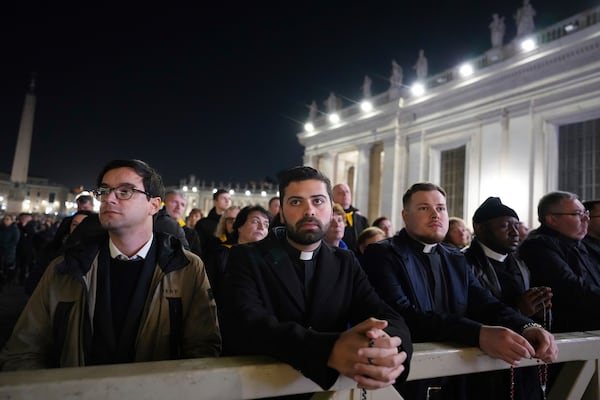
458 234
250 225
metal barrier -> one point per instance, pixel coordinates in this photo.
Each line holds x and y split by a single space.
257 377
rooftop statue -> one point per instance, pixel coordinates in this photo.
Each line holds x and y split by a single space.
421 66
497 29
524 19
331 104
397 75
366 87
313 110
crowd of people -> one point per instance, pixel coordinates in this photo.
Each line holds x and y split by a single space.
307 281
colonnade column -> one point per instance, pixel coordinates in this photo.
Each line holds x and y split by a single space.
326 165
375 178
393 182
309 160
360 199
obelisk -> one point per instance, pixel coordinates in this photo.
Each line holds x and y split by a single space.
20 167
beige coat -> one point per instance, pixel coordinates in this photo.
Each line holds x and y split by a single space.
178 274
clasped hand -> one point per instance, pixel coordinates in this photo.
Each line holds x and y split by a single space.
507 345
367 354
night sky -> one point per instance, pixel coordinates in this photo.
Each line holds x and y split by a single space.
216 92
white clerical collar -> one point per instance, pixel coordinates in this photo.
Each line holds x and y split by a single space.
428 248
306 255
492 254
142 253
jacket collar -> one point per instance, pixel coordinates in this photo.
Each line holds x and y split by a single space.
78 259
412 267
544 230
327 268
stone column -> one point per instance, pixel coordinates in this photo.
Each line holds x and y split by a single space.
325 165
360 199
375 178
394 178
309 160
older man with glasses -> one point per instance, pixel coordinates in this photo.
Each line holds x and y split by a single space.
592 239
558 259
126 295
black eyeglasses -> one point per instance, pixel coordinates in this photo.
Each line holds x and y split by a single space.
121 192
578 213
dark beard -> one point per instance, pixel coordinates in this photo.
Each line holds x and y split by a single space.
306 237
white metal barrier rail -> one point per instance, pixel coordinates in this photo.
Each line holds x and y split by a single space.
256 377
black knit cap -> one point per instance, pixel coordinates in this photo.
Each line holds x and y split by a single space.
492 208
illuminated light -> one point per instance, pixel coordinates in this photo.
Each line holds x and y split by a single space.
247 193
185 188
309 127
214 190
528 44
263 193
48 210
231 192
194 189
418 89
1 198
334 118
466 70
277 193
571 27
366 106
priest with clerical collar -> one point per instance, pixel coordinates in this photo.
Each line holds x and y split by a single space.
295 298
493 259
439 296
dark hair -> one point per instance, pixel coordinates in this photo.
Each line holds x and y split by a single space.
272 199
218 193
368 233
84 212
152 180
242 217
299 174
590 204
549 201
84 198
378 221
420 187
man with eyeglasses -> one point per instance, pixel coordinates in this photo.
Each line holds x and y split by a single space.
125 294
557 258
592 239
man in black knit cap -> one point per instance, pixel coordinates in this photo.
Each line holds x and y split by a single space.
494 262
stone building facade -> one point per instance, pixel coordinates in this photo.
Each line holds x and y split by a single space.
517 122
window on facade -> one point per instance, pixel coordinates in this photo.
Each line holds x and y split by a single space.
579 159
453 179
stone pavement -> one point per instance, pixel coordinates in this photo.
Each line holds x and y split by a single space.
12 301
